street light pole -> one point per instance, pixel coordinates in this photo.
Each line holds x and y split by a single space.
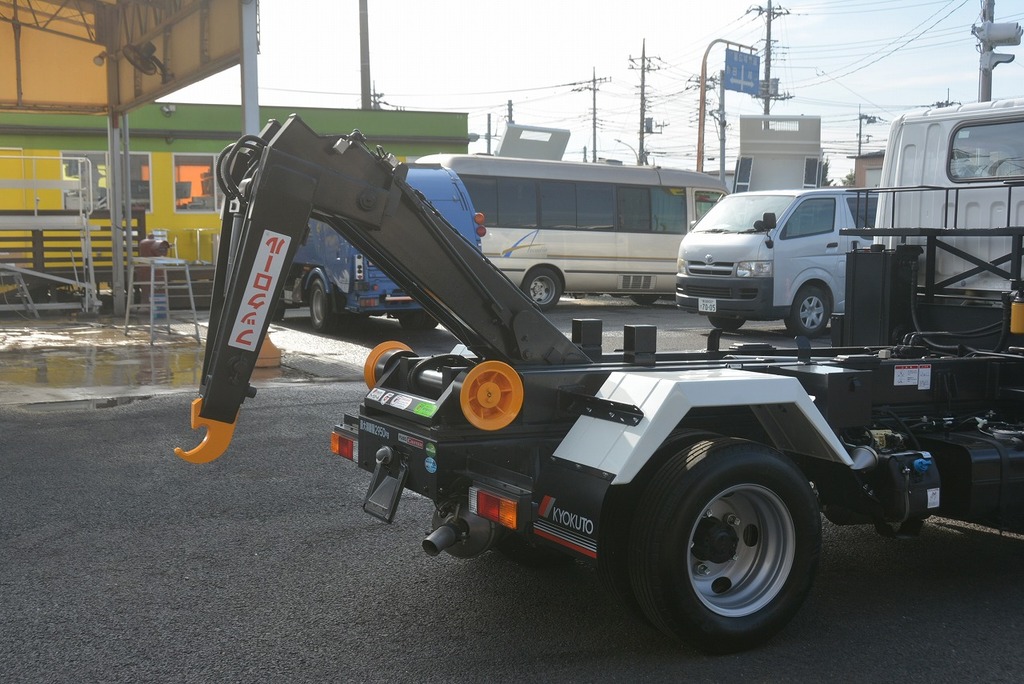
703 96
631 149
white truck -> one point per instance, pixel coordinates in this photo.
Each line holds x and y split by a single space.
947 249
693 481
772 255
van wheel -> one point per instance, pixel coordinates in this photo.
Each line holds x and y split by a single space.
726 324
645 299
543 286
810 312
725 544
321 315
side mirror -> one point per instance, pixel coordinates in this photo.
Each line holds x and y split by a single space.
764 225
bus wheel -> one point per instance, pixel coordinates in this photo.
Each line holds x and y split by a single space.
725 544
810 312
645 299
726 324
543 286
417 320
320 313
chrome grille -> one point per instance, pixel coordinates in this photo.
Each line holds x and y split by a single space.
719 268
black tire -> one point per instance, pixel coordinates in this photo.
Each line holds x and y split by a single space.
725 545
417 320
543 286
726 324
810 313
645 299
321 313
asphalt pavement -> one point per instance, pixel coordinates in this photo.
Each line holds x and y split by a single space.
120 562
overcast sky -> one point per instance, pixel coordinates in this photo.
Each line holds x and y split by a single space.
837 59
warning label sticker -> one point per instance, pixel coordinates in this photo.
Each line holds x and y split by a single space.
913 375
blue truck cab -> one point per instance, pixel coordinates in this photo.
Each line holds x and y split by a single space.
334 279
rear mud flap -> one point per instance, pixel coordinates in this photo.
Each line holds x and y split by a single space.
385 490
569 506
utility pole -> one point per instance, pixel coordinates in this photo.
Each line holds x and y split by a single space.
721 125
991 35
861 120
641 156
594 80
768 92
364 54
510 119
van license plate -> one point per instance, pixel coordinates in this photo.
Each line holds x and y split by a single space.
705 305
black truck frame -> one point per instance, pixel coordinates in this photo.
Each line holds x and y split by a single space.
695 481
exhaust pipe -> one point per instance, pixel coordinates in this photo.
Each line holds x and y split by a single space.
449 532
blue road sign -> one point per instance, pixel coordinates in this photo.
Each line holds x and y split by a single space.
742 71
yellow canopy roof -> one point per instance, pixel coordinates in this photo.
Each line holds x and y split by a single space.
103 56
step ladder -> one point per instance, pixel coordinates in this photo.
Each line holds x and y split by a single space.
155 295
20 287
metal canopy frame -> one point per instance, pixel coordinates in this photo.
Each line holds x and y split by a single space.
111 56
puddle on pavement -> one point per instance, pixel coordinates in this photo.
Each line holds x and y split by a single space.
63 364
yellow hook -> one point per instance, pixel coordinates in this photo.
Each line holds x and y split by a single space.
214 444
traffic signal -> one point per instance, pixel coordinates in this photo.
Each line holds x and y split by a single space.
993 35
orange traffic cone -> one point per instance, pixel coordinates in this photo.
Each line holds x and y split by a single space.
269 356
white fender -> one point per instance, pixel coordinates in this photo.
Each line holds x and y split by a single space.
780 403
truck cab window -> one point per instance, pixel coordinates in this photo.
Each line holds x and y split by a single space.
983 152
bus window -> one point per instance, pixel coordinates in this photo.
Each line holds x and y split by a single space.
703 200
668 209
634 209
595 204
483 192
557 205
517 203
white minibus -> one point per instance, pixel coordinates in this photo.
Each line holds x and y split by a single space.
601 228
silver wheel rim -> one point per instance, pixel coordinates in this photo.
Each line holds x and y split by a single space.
542 290
317 306
763 559
812 311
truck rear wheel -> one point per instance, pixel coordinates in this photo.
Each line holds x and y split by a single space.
724 545
810 312
321 315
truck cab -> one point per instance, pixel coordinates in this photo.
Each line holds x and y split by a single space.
771 255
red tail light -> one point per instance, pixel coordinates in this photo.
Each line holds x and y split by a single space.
343 444
494 507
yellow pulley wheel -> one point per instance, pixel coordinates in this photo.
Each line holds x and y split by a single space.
370 365
491 395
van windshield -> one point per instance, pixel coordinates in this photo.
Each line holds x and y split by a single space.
737 213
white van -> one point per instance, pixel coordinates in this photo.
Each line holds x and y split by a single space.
772 255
